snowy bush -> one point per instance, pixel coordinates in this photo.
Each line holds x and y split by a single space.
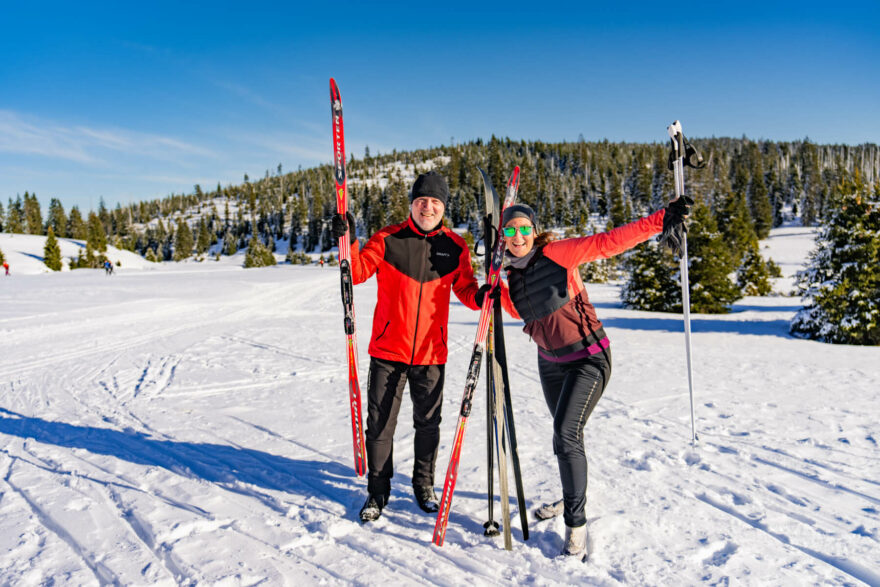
258 255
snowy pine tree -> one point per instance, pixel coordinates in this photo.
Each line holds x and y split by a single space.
841 285
258 255
753 275
183 241
52 252
654 280
710 263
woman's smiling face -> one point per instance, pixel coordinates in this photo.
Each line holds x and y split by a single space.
520 244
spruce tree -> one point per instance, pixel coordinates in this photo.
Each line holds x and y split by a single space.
841 285
753 275
397 199
759 197
2 258
735 223
183 240
710 263
203 241
33 218
76 228
654 283
52 251
57 219
258 255
15 217
96 237
230 243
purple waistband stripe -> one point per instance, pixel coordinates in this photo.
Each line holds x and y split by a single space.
595 348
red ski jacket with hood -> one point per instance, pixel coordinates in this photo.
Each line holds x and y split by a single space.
416 273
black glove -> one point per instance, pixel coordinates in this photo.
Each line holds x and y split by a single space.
481 294
340 224
674 228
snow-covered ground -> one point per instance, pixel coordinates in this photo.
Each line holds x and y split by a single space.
189 424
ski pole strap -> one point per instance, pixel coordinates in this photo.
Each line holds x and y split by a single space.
691 157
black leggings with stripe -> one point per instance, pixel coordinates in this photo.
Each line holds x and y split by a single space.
571 391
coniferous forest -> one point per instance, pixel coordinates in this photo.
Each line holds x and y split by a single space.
746 188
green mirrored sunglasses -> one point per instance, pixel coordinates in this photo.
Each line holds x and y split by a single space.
510 231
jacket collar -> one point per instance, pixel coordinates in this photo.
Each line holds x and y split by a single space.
520 262
415 227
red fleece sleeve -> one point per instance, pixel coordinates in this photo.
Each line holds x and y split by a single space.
365 263
506 302
573 252
465 285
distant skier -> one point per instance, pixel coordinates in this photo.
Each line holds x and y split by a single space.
108 267
545 290
6 268
418 263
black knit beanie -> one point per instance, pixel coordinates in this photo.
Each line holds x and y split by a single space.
519 211
430 185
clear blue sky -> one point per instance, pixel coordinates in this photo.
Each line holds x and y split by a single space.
133 101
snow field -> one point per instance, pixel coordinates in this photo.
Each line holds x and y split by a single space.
190 425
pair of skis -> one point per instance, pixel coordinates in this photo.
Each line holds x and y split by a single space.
500 428
493 277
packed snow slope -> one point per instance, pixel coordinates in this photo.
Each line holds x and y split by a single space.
24 254
190 425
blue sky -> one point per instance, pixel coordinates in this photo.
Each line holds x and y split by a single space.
132 103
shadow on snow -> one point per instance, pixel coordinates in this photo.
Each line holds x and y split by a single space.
229 466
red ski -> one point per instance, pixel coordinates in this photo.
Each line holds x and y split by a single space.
354 390
493 276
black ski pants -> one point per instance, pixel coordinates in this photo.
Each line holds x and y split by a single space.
385 392
571 391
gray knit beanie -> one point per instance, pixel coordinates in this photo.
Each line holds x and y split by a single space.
518 211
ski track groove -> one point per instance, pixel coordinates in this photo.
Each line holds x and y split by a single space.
140 529
280 550
122 483
276 349
854 570
104 575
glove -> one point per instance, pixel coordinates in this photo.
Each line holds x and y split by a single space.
674 228
340 224
481 294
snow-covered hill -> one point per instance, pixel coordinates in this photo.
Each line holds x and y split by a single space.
24 253
189 425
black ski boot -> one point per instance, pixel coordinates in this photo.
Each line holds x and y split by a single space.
426 498
372 509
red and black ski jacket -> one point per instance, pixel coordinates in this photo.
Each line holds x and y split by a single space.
550 297
416 272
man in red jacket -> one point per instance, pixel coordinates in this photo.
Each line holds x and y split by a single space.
418 264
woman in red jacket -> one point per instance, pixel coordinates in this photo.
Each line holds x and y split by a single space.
545 290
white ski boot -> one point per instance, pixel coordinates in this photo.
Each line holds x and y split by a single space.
576 542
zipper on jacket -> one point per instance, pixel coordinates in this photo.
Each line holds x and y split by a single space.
412 357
